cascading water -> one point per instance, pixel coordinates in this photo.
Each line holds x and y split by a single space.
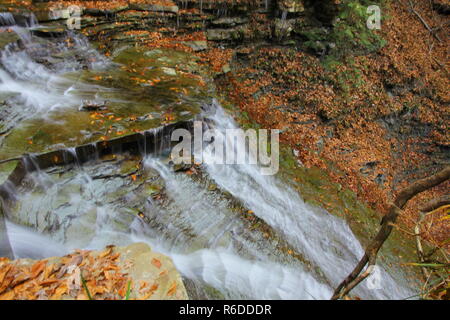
193 221
27 243
206 240
7 19
38 86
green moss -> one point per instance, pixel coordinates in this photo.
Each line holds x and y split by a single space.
6 169
350 33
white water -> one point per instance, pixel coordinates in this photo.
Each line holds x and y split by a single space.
7 19
326 241
27 243
244 273
40 89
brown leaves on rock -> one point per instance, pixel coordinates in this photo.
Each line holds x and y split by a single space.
60 278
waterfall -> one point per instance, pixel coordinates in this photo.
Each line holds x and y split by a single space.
7 19
26 243
92 202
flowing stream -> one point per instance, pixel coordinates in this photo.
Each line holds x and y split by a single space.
197 222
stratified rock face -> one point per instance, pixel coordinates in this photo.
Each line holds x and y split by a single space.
132 272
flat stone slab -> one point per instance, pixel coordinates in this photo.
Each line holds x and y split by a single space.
134 272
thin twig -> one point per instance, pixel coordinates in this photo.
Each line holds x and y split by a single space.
11 159
424 22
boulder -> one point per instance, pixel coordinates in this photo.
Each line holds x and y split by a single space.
197 45
229 21
133 272
169 71
224 34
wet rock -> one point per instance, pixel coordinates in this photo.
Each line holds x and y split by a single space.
160 270
153 8
197 45
7 38
84 228
93 106
212 187
9 115
151 275
369 167
229 21
182 167
154 52
24 19
169 71
6 169
218 34
223 34
107 13
50 32
226 68
380 179
46 14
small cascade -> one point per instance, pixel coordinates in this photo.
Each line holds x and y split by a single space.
284 14
124 189
27 243
7 19
206 239
302 226
33 21
27 20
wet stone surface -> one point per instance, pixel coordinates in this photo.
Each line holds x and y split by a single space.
139 89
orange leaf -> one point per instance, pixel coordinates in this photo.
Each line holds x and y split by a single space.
156 263
48 282
172 289
7 296
59 292
37 268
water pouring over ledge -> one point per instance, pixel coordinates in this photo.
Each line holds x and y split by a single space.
92 204
201 234
46 84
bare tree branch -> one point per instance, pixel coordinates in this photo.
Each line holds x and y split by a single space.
424 22
436 204
387 224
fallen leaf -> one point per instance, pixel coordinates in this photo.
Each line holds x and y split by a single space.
7 296
37 268
172 289
156 263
